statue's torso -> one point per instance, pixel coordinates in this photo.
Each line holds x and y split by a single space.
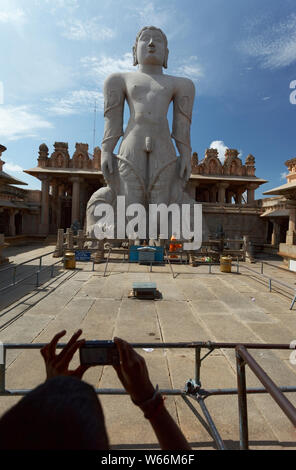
148 97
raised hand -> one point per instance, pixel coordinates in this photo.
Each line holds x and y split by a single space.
58 364
133 373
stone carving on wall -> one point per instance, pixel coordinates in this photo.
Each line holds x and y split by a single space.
60 157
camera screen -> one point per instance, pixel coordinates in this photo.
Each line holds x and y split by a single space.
94 356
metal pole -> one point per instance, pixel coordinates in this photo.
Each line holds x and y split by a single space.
262 268
293 301
270 285
215 434
242 401
2 368
237 267
197 365
37 279
271 387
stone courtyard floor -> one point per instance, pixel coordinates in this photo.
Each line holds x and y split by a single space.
195 306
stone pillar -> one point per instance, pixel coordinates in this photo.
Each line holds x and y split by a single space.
44 225
290 237
213 193
69 239
61 193
12 213
275 237
228 197
251 193
59 249
238 196
221 192
75 199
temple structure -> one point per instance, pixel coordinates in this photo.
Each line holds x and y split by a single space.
66 184
281 210
19 208
226 191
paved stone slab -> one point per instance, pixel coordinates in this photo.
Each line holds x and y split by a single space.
178 324
196 290
210 307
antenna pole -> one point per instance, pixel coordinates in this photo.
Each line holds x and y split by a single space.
94 133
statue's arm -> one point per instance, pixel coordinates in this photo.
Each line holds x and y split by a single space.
114 96
183 105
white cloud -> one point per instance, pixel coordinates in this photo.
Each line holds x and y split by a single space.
266 98
284 175
55 5
13 16
76 102
80 30
190 68
100 68
221 147
18 122
10 166
150 15
275 46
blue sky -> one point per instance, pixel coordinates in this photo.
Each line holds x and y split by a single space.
55 55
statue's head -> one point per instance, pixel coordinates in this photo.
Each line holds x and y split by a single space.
151 46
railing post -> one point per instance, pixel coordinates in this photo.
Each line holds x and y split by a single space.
262 268
37 279
197 365
270 285
242 401
2 367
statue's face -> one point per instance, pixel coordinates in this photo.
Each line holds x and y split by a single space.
151 48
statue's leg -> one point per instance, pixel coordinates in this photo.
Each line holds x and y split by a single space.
132 187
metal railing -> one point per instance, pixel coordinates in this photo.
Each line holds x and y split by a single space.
36 272
270 279
193 388
243 357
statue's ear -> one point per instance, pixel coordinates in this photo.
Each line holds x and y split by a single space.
135 56
166 56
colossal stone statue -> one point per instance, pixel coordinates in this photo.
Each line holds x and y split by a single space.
147 169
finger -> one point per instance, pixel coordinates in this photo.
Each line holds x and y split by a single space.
123 350
51 347
69 344
66 358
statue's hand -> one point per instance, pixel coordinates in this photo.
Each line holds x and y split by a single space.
107 167
185 167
